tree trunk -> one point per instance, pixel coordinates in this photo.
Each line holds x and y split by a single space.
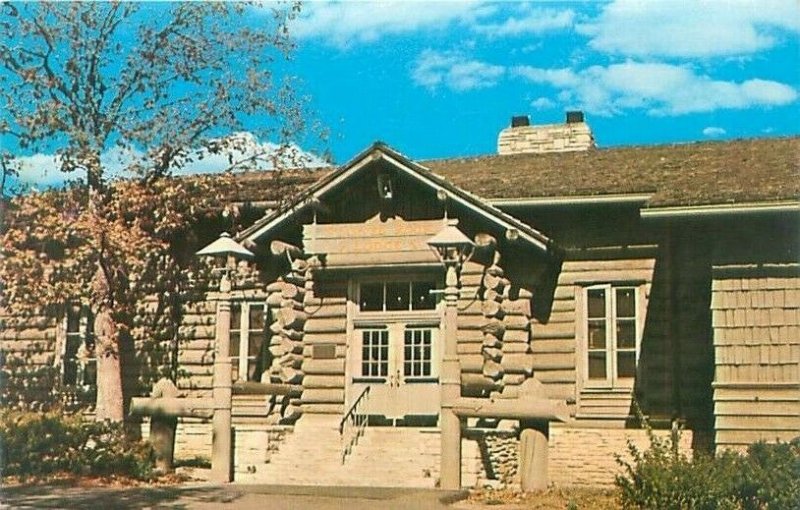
109 404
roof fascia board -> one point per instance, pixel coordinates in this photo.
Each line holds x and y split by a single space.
493 214
720 209
632 198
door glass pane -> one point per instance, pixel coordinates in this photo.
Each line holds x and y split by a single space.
375 353
626 333
417 350
421 298
597 334
626 302
371 297
597 303
397 296
597 365
626 364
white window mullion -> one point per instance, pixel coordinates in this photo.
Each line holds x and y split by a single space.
612 346
244 338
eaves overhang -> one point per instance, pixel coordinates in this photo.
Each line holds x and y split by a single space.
713 210
571 200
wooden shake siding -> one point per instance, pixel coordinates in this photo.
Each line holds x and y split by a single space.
756 312
324 380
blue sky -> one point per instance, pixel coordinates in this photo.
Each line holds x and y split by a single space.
441 79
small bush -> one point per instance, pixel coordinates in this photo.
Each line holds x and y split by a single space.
40 444
661 477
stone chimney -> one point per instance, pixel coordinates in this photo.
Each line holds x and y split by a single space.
522 138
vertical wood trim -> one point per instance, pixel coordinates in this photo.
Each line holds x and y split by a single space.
352 289
581 341
61 345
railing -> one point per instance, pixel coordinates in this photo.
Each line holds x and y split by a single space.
353 424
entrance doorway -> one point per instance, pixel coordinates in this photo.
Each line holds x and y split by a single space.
399 361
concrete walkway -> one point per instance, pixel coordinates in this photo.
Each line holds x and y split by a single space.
242 497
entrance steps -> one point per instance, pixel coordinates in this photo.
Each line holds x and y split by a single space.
383 457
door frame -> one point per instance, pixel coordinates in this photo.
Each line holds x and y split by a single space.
357 319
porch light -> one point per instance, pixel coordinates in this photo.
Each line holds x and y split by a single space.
451 245
225 247
225 250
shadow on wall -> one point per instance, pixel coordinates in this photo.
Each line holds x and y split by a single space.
676 360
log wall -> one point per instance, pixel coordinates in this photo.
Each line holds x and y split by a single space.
28 348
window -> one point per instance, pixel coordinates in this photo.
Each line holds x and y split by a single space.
79 364
250 355
613 334
395 296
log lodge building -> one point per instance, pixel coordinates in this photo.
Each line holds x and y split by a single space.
600 285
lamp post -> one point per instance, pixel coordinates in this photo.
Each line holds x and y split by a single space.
229 251
452 248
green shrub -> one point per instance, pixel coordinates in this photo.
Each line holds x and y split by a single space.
39 444
661 477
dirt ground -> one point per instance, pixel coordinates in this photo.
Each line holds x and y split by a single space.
552 499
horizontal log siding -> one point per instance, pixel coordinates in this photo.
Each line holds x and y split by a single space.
555 345
756 321
324 380
28 348
196 339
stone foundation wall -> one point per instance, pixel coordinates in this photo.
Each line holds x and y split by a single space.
499 453
586 456
254 445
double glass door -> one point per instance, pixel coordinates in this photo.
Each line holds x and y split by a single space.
399 361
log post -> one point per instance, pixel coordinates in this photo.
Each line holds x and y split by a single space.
533 457
450 472
221 455
162 428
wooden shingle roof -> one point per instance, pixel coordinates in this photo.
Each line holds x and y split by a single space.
741 171
703 173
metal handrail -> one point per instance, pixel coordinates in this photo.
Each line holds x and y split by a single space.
353 420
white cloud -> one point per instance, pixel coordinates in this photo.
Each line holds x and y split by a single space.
700 28
543 103
532 21
659 89
433 69
42 170
714 132
344 23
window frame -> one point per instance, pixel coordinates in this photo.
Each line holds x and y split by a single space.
241 363
85 335
612 379
384 312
